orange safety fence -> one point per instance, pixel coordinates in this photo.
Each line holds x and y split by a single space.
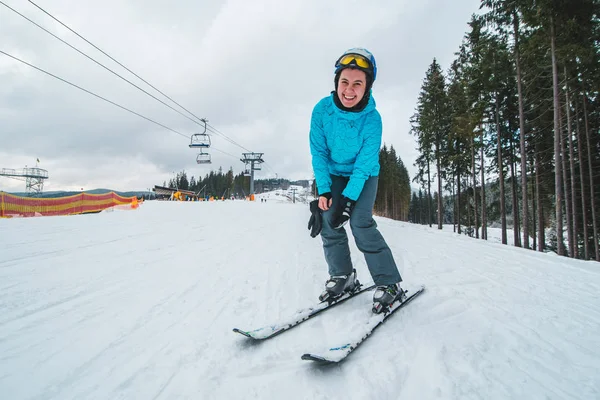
16 206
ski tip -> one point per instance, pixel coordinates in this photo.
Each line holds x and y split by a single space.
417 288
236 330
313 357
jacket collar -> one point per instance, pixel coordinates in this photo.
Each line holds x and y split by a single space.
352 115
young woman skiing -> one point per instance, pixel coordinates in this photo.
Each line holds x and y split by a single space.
345 137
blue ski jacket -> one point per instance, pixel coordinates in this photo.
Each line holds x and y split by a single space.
346 144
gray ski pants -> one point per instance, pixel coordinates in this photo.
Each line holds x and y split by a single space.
368 239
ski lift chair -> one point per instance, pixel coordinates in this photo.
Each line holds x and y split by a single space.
201 140
203 158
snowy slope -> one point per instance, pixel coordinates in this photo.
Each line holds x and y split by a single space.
141 304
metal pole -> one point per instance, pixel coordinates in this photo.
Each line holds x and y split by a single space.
251 177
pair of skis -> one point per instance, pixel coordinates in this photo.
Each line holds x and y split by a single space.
338 353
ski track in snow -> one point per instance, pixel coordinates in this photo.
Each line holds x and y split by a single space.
140 304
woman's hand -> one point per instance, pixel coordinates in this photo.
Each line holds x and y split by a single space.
325 201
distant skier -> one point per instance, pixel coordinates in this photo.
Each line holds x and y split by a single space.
345 137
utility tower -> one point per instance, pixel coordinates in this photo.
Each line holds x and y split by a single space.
33 177
252 158
294 195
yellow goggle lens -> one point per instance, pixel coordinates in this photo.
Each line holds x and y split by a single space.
359 60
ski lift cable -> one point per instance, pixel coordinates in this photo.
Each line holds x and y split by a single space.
109 56
214 130
269 166
105 99
221 151
94 94
99 63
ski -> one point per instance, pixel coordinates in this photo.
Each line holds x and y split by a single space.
300 316
337 354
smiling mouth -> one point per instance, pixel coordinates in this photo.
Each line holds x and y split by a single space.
349 98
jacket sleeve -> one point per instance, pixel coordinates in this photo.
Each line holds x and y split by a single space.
367 159
319 150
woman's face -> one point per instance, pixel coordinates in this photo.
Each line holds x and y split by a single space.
351 87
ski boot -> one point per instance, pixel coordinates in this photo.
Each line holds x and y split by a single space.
385 295
338 285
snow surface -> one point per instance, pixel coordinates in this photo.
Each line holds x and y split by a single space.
141 304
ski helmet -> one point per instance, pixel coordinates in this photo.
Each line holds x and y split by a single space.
358 58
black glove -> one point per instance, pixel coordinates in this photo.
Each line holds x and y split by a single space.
342 213
315 223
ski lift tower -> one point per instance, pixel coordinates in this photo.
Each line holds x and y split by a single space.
33 177
252 158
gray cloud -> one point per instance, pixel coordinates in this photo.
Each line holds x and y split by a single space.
254 69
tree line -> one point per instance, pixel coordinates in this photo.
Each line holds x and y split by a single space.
214 184
393 190
225 184
518 110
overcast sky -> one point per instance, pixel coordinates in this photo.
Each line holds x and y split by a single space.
254 69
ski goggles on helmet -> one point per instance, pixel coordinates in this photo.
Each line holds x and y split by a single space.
354 59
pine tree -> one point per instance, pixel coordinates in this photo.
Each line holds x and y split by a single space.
460 128
506 15
432 127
